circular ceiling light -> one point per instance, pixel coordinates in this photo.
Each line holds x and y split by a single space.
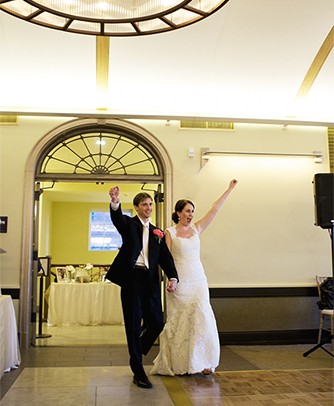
112 17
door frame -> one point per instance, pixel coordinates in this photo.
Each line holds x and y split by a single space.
26 324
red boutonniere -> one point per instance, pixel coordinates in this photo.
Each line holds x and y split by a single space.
158 234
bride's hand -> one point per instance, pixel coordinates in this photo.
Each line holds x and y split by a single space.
171 287
233 183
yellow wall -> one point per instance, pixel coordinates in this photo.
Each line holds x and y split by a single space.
45 230
16 143
70 232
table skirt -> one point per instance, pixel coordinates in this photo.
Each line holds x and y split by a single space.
84 304
10 356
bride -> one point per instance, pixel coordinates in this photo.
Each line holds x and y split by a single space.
189 342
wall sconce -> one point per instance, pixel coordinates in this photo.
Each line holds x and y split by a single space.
206 152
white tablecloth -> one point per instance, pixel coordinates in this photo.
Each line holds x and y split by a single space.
85 304
9 344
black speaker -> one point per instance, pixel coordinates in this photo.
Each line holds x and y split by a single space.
324 199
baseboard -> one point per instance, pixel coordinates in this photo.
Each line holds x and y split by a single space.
216 293
301 291
280 337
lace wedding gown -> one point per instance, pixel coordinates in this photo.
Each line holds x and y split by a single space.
189 342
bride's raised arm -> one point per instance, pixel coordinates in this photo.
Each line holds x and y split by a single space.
203 223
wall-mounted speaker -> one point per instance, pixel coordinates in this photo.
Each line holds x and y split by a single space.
324 199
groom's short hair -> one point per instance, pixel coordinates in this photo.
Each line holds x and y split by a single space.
140 197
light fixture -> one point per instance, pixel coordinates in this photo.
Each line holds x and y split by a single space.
112 17
206 152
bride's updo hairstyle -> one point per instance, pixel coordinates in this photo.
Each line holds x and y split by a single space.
179 206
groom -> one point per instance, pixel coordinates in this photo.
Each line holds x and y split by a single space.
135 269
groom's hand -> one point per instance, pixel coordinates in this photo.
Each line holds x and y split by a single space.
114 194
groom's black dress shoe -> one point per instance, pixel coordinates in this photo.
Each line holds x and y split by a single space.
142 383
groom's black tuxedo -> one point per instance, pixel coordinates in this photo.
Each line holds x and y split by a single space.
140 288
121 270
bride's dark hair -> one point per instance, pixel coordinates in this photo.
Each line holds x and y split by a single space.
179 206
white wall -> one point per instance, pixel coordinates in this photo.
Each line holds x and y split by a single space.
264 234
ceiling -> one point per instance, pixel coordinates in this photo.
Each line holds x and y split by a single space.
246 62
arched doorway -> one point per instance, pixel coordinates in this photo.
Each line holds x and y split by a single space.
85 150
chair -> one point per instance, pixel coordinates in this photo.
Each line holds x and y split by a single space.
326 313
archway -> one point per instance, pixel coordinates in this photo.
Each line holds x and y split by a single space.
134 155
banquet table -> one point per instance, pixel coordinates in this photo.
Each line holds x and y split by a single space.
10 356
84 304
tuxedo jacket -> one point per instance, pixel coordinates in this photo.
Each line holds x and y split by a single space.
131 230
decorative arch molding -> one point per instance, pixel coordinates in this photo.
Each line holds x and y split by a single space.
34 171
101 150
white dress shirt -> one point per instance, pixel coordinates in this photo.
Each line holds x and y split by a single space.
142 260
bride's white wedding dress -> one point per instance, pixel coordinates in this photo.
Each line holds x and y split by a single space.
189 342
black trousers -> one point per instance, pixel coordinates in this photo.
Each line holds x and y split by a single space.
143 319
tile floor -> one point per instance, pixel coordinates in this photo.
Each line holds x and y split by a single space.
63 372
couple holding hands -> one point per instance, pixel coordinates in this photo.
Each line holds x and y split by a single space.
189 341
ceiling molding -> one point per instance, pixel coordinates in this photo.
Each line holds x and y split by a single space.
103 115
316 65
